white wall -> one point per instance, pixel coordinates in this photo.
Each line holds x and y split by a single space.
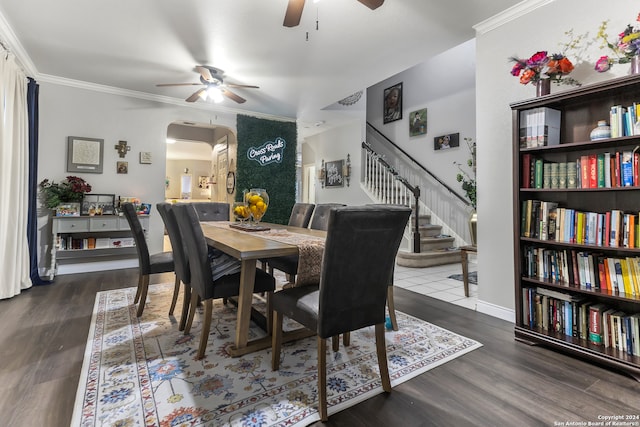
541 29
335 144
445 86
68 111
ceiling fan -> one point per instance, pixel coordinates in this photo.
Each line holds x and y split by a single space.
215 88
294 10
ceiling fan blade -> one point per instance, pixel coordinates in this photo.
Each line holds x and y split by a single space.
196 95
294 13
245 86
179 84
205 73
372 4
232 96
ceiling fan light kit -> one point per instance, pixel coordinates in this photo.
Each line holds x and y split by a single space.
214 86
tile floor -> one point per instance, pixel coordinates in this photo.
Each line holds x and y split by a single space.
435 282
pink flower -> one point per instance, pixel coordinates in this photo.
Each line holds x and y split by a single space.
603 64
515 71
538 58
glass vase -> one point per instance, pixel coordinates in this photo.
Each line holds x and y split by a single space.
543 87
258 201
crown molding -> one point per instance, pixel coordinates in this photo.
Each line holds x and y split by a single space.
508 15
11 42
48 78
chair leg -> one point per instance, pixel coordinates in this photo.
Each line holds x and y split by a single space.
392 308
186 306
335 343
381 351
174 299
269 313
143 294
192 312
346 339
206 326
322 379
276 340
137 297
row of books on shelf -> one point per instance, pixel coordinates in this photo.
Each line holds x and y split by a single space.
587 270
604 170
545 220
539 127
624 121
576 317
68 243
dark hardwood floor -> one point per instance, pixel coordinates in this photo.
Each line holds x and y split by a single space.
505 383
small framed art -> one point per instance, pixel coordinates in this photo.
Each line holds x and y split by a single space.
392 103
446 141
418 122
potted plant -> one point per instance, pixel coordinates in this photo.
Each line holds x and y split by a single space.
64 196
467 176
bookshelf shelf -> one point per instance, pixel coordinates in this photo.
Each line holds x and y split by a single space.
573 297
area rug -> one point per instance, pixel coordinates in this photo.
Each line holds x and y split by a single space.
473 277
143 372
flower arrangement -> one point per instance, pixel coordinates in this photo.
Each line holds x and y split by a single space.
68 191
541 66
468 179
624 48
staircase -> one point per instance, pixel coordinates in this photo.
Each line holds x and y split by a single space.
435 248
427 247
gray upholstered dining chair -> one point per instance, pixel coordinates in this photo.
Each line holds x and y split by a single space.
320 218
202 269
301 214
212 211
181 264
147 263
353 285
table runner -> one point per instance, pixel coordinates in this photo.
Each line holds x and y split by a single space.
310 251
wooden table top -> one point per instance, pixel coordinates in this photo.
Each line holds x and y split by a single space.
252 245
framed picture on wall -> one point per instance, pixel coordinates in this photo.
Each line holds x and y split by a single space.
392 103
84 154
446 141
334 174
418 122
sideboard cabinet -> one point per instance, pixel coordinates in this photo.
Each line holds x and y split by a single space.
91 239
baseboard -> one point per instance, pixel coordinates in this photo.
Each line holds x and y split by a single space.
88 267
496 311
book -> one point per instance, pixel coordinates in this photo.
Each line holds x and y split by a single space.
595 323
526 170
627 168
600 170
584 171
538 173
607 169
549 121
572 175
593 170
562 175
555 175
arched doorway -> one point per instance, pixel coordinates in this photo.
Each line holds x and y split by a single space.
199 160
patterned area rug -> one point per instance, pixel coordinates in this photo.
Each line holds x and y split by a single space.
143 372
473 277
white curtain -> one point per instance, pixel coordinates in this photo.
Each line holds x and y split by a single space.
14 178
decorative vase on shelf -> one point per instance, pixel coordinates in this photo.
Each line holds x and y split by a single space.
543 87
258 201
602 131
473 228
635 64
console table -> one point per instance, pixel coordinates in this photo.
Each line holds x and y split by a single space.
464 255
92 238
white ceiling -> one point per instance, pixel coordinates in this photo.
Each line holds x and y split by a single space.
135 44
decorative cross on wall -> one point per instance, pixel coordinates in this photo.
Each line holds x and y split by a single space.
122 148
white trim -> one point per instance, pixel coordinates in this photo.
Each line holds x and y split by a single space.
14 46
496 311
508 15
48 78
87 267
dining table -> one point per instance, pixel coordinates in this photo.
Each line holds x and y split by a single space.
249 246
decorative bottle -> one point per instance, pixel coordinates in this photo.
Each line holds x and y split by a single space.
602 131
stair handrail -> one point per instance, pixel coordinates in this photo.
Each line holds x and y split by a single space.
415 190
417 163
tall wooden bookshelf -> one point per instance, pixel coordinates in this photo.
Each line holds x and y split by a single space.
581 108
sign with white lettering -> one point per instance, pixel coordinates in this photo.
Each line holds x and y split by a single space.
269 152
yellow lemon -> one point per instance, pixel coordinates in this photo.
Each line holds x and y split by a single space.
255 199
254 209
261 206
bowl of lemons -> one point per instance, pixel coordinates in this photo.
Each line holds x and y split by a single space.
241 211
